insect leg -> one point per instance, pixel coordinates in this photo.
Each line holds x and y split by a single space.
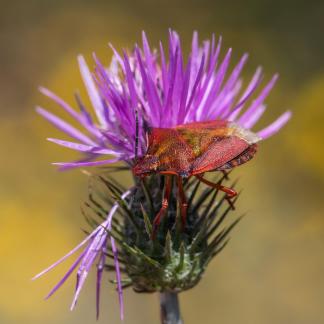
225 173
165 204
230 193
183 202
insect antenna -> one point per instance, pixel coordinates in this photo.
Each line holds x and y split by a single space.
136 134
147 130
139 182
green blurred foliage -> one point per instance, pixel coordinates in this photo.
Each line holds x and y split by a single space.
272 272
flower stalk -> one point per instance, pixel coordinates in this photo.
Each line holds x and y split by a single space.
169 308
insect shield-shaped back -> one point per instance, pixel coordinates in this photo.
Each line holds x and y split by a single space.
196 148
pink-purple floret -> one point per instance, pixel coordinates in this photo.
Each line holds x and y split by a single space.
165 91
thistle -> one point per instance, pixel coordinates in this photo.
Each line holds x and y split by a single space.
160 235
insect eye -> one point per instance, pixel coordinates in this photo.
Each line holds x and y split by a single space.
153 159
154 162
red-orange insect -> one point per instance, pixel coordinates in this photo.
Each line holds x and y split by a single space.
191 150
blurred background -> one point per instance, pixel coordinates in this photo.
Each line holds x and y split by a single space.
273 269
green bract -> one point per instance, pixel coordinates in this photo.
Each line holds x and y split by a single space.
177 257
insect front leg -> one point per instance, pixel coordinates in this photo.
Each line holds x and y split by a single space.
183 202
230 193
165 205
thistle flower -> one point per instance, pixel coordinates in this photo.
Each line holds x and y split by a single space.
165 93
140 88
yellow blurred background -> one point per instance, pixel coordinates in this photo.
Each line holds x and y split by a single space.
273 269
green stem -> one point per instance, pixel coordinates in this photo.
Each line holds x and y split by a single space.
169 308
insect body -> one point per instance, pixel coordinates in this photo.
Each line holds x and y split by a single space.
193 149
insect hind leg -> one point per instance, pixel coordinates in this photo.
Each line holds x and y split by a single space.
225 174
230 193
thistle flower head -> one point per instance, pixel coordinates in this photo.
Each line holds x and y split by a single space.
143 88
165 90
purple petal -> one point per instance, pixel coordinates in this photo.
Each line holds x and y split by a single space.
169 94
92 91
87 158
83 164
84 118
100 269
62 103
236 73
96 246
118 278
130 81
205 49
214 87
194 45
81 278
194 88
184 93
164 72
67 275
222 107
249 123
214 56
87 258
178 82
83 147
115 252
254 83
151 93
94 249
65 127
148 56
109 91
275 126
116 54
67 255
259 100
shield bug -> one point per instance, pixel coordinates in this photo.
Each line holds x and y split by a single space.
191 150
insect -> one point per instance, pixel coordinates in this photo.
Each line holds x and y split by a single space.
191 150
